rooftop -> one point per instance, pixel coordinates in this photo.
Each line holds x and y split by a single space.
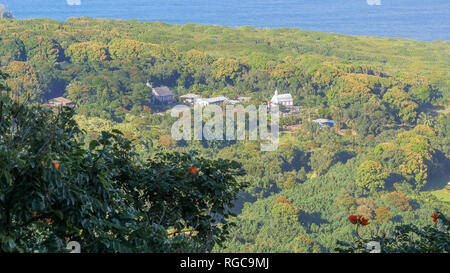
190 96
215 99
284 97
281 97
322 120
61 99
162 91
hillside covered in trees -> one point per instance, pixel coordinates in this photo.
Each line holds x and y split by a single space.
386 158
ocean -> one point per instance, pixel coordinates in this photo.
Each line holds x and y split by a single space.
418 19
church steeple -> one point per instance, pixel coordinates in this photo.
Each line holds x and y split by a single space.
275 97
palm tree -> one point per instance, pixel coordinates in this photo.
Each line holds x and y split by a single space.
425 119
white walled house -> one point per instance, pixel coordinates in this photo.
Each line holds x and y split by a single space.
190 98
323 122
208 101
281 99
60 101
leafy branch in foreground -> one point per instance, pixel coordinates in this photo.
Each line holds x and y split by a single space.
55 188
408 238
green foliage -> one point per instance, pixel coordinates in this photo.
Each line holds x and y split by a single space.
402 103
3 78
284 210
322 160
111 57
43 49
12 50
371 176
54 186
388 98
88 52
24 81
406 238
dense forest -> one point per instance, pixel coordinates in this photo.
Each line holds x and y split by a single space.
386 159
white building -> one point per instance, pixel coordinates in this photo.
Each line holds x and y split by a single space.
190 98
282 99
324 122
208 101
60 101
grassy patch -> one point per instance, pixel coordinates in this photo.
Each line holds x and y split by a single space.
442 195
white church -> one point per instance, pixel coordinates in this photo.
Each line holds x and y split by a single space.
282 99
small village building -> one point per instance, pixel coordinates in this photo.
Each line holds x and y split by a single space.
190 98
208 101
161 94
60 101
324 122
281 99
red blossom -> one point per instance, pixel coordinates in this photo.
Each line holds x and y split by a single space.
353 219
193 170
364 222
435 216
358 219
56 164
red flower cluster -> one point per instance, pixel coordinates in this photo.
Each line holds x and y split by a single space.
358 219
284 200
435 216
56 164
193 170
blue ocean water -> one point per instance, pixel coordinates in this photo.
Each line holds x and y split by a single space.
418 19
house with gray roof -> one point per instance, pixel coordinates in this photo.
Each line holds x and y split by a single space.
161 94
